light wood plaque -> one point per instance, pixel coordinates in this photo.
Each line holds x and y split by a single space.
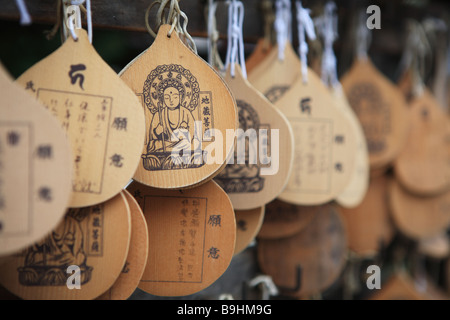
310 261
262 162
192 235
95 239
134 267
381 110
369 224
184 100
324 151
418 217
100 114
356 189
35 169
422 164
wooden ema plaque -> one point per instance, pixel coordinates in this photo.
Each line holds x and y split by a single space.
192 236
310 261
262 161
248 224
90 242
134 267
282 219
422 164
356 188
273 77
262 49
35 169
369 225
324 144
187 106
100 114
418 217
381 110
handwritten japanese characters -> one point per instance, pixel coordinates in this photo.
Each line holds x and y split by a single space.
191 236
95 239
101 116
35 169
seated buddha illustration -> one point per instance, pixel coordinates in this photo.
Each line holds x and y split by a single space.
238 177
172 137
46 262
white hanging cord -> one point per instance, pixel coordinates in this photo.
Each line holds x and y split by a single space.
327 28
235 51
363 37
305 27
70 26
25 18
268 286
283 25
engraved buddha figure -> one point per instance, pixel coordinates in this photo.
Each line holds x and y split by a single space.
172 125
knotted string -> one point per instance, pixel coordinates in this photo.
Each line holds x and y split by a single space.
25 18
235 51
69 26
282 24
363 37
214 59
327 28
305 27
174 17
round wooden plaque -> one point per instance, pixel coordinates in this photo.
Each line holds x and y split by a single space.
192 236
419 217
325 147
136 261
188 109
248 224
79 260
369 225
35 169
310 261
100 114
263 157
422 165
356 188
381 110
282 219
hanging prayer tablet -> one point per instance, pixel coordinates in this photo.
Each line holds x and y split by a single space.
100 114
79 260
192 236
310 261
369 224
260 52
261 165
35 169
381 110
188 109
418 217
422 164
132 271
356 189
324 144
248 223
